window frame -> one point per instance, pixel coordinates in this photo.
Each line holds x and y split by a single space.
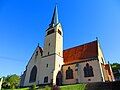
33 74
69 73
46 79
88 71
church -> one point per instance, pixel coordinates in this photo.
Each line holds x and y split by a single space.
53 65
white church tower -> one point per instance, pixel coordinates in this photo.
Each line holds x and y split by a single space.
53 48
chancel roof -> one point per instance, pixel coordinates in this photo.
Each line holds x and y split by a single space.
81 52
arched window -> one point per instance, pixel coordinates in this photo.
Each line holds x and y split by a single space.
69 73
33 74
46 79
88 71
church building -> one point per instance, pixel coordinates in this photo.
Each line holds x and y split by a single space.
53 65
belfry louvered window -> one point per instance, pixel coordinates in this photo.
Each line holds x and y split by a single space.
50 32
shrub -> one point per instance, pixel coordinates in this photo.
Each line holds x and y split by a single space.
33 87
47 88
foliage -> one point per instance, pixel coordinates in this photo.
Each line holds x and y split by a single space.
116 69
115 66
66 87
47 88
20 89
33 87
11 81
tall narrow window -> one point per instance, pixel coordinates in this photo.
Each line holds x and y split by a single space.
48 53
49 44
59 32
69 73
88 71
33 74
47 65
46 79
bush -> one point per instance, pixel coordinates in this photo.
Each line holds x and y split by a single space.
33 87
47 88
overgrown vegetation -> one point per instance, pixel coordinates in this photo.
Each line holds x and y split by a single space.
11 81
33 87
116 70
47 88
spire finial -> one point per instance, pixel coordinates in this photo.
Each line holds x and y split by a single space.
38 44
55 20
108 62
97 38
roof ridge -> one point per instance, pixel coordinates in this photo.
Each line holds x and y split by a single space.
80 45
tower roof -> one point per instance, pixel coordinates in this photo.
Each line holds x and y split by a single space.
54 20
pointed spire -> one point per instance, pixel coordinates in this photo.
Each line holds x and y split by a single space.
55 20
38 44
108 62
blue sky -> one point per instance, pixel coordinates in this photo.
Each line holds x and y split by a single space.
23 24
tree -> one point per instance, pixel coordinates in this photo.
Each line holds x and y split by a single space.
11 81
116 70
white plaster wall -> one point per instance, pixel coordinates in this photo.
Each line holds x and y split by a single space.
58 65
75 74
56 42
46 71
29 67
101 61
51 49
96 71
59 41
100 54
80 73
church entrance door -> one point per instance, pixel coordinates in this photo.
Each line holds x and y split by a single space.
59 78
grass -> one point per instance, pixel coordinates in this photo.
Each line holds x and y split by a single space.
17 89
73 87
22 89
65 87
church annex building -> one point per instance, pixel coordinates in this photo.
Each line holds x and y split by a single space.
53 65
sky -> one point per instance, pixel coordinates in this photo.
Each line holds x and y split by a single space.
23 24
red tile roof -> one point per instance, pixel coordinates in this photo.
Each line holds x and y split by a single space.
80 53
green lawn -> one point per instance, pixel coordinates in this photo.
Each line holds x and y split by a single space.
22 89
17 89
65 87
73 87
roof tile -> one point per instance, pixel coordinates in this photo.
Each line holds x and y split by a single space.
81 52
